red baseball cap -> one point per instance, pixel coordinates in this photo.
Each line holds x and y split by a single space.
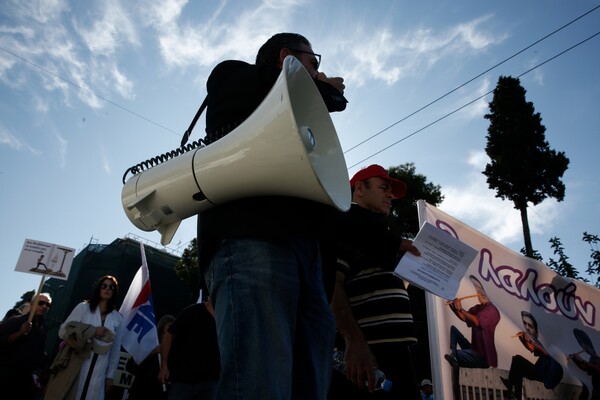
398 187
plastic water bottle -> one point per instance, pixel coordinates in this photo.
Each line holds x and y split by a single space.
380 382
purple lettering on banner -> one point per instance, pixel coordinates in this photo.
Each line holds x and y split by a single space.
523 284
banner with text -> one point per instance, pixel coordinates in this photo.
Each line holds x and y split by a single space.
528 329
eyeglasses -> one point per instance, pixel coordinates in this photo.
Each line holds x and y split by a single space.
317 57
42 303
107 286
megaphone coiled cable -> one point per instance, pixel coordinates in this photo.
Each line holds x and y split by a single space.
154 161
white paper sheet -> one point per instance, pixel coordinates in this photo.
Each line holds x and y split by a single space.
443 262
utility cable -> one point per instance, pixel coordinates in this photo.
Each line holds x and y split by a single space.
471 102
469 81
87 90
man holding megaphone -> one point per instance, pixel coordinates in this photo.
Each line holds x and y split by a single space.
260 255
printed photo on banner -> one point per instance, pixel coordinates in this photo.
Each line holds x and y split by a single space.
515 326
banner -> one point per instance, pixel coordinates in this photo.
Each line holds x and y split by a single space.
139 336
516 328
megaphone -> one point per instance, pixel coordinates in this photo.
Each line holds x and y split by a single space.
287 147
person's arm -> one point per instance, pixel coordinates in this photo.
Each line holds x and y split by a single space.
23 330
12 329
76 315
464 315
165 348
360 362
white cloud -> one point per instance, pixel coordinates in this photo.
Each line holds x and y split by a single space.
108 32
40 105
10 140
468 33
122 85
182 45
41 11
480 107
163 13
537 74
62 55
63 145
475 204
390 56
104 159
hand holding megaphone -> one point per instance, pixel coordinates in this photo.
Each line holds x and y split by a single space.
336 82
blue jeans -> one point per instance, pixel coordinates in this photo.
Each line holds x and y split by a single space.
466 356
274 325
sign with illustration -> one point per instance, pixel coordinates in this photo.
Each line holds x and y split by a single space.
46 259
514 327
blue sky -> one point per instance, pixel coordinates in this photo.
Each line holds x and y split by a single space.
88 89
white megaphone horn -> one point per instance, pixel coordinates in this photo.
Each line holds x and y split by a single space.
287 147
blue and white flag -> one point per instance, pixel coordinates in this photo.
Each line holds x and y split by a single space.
139 336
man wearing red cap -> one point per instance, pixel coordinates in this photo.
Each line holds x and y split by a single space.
370 302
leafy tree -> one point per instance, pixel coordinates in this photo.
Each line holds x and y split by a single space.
523 168
403 217
593 267
535 255
562 265
188 268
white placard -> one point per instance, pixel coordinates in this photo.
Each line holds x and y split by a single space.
47 259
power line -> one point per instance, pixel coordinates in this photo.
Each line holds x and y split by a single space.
87 90
351 148
471 102
469 81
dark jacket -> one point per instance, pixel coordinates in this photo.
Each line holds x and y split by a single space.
235 89
27 352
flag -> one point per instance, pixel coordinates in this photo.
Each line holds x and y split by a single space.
564 312
139 334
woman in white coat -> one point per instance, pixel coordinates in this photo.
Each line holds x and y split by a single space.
97 372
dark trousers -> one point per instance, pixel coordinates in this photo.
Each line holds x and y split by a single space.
521 368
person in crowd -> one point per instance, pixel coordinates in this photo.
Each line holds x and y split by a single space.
591 366
260 255
146 385
370 302
190 354
546 369
426 389
13 312
87 362
482 318
22 355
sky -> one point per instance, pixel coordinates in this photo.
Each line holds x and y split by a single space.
88 89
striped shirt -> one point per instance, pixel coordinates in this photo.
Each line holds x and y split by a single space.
377 295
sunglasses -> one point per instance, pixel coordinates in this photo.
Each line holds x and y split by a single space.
109 286
42 303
